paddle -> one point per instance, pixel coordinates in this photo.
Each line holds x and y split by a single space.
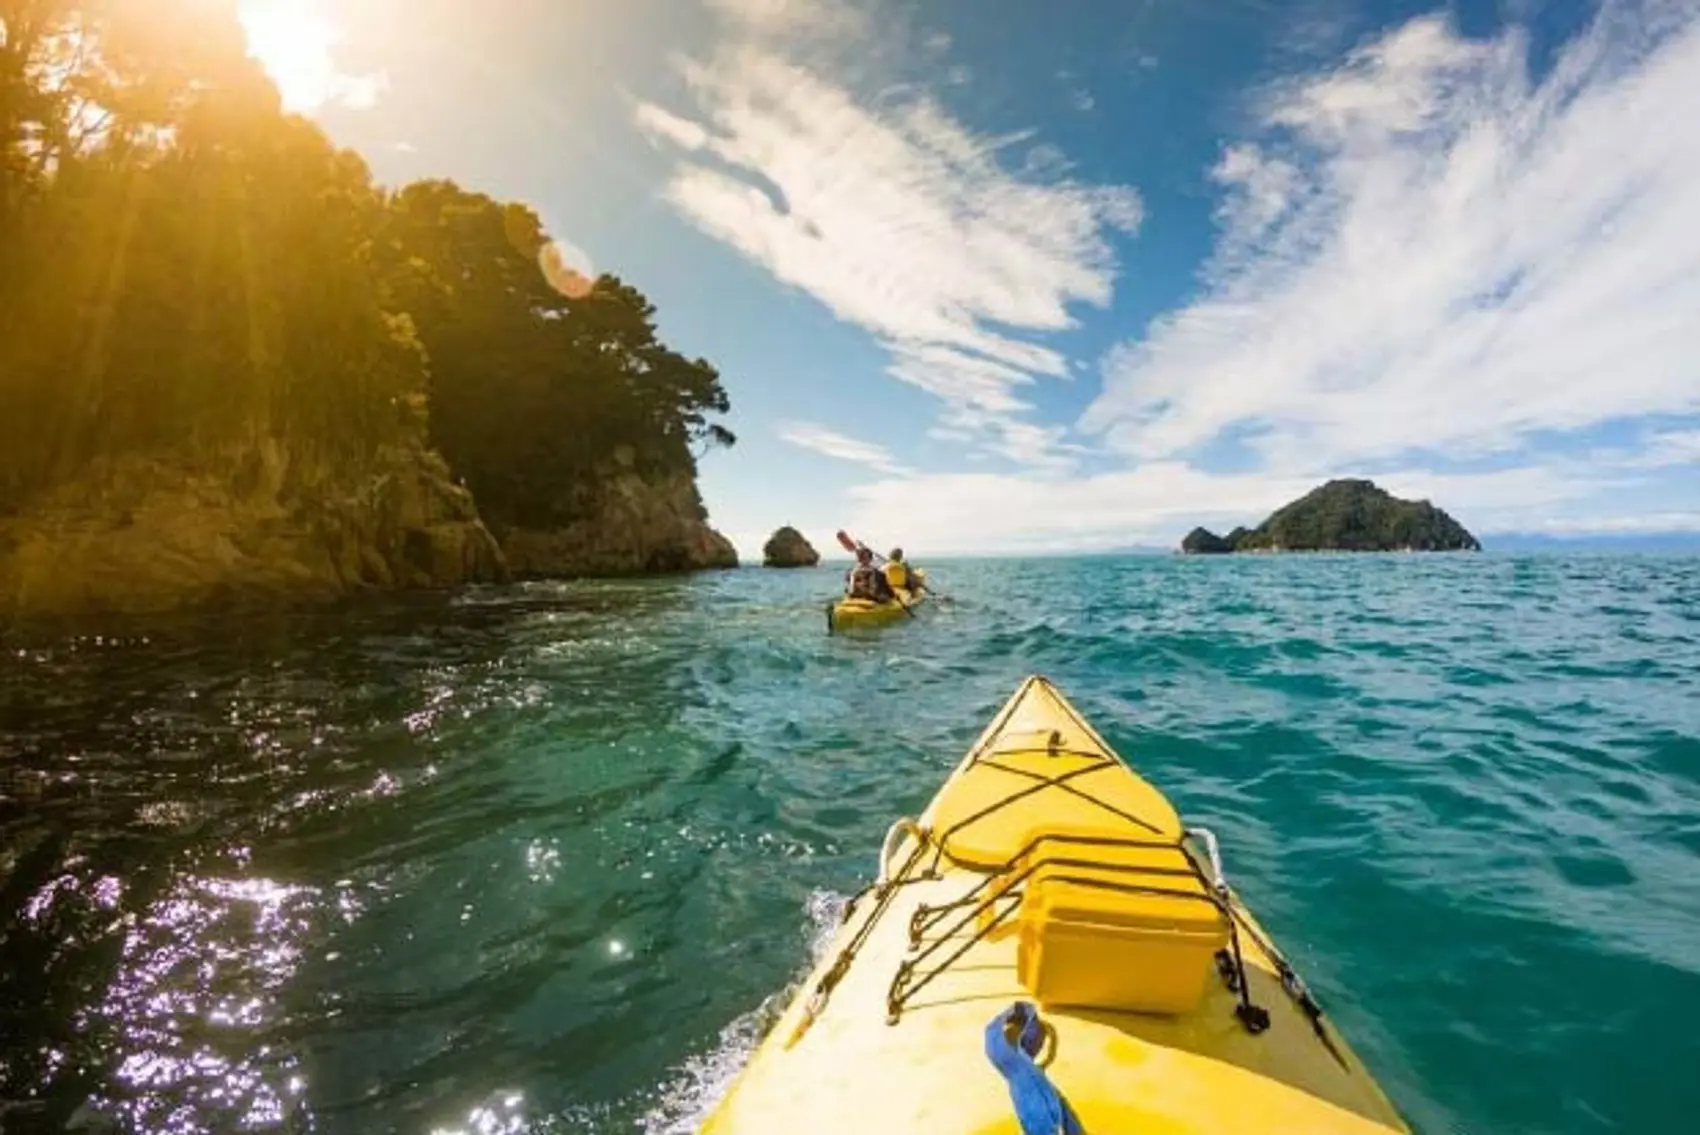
853 546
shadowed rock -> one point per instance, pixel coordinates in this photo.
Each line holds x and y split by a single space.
787 548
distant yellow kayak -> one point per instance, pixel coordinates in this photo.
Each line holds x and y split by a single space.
1047 950
866 613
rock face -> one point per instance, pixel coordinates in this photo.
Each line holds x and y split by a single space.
144 536
637 525
1347 515
135 535
787 548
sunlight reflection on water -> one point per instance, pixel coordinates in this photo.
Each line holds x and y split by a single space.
210 958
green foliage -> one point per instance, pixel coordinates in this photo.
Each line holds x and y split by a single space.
1344 515
537 383
185 270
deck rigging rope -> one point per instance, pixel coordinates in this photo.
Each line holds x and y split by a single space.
1230 962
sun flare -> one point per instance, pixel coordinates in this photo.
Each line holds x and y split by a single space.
294 41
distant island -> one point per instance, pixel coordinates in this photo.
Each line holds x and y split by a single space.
1345 515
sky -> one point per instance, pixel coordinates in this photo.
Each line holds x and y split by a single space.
988 276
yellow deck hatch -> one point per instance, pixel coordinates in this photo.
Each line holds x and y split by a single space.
1121 928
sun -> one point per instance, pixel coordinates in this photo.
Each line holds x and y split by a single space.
293 41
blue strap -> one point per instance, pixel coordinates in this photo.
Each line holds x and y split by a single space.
1038 1105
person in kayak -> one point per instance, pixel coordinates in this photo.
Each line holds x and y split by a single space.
864 581
897 572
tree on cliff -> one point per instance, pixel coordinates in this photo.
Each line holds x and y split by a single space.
533 388
186 271
184 266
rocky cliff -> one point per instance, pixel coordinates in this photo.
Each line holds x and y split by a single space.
140 535
137 536
633 524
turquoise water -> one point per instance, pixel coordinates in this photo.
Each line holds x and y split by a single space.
541 858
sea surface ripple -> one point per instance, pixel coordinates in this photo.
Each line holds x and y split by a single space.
546 858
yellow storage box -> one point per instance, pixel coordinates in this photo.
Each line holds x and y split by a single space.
1130 929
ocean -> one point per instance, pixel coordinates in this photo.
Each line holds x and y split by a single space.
545 858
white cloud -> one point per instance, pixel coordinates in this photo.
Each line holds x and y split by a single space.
1652 450
1045 161
1427 249
1041 448
1639 524
666 126
898 219
1672 447
1082 99
829 443
1260 190
792 18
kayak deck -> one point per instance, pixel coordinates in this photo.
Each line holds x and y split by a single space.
860 612
1046 864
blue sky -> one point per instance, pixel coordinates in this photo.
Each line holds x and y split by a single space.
989 276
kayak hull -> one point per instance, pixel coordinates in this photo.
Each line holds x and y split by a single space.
890 1030
849 614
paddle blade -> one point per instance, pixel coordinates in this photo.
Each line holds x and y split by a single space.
845 542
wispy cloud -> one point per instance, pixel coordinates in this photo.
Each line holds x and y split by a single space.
940 241
1423 251
666 126
1640 524
791 19
830 443
1426 249
1432 266
1667 448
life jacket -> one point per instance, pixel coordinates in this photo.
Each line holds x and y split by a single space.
864 582
897 574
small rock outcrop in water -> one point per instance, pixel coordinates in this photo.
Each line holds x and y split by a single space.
134 535
787 548
1346 515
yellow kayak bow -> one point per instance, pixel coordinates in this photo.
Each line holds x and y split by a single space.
1047 949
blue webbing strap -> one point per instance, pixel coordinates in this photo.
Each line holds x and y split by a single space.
1038 1105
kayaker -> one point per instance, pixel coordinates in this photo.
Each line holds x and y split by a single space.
897 572
864 581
